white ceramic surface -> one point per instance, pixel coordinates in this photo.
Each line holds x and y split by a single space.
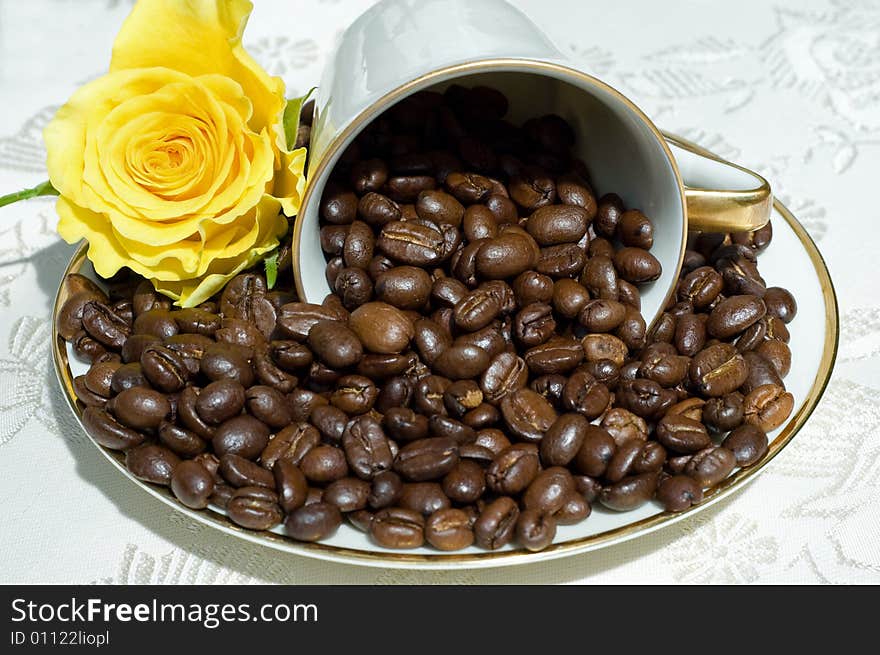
790 261
395 49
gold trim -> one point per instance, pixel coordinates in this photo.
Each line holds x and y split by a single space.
583 544
715 210
447 73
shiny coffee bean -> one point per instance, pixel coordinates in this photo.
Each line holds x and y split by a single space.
324 464
291 485
535 530
513 469
630 492
767 406
381 327
313 522
192 484
241 472
423 497
366 448
710 466
151 463
241 435
678 493
449 529
527 414
397 527
108 432
496 525
140 408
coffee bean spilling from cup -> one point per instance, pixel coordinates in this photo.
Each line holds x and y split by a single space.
481 372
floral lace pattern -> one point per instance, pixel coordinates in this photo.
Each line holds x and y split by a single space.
789 88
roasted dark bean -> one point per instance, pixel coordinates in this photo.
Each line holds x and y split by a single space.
313 522
366 447
140 408
381 327
398 528
151 462
192 484
535 530
241 435
496 525
220 400
710 466
768 406
678 493
423 497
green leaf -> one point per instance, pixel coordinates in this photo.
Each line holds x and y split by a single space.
291 116
42 189
271 264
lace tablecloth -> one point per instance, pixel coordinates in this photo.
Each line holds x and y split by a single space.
789 88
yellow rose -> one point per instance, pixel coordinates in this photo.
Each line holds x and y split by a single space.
175 162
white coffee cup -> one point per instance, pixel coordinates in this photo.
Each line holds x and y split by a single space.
399 47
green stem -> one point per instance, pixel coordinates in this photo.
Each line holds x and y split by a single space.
42 189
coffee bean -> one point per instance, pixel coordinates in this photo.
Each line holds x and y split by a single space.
604 346
623 425
635 229
733 315
637 265
427 459
151 463
549 491
563 440
748 443
780 304
398 528
535 530
461 361
108 432
291 485
405 287
292 443
724 413
324 464
313 522
682 435
347 494
423 497
527 414
710 466
505 256
449 529
241 472
768 406
558 224
140 408
678 493
496 525
165 369
224 361
630 492
596 451
366 447
192 484
241 435
718 369
354 394
465 482
513 469
381 327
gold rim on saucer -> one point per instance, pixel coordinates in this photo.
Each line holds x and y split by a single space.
476 560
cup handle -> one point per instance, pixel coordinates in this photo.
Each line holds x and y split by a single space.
721 196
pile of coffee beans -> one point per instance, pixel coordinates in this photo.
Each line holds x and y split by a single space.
481 372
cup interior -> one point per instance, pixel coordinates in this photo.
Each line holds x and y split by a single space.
623 151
